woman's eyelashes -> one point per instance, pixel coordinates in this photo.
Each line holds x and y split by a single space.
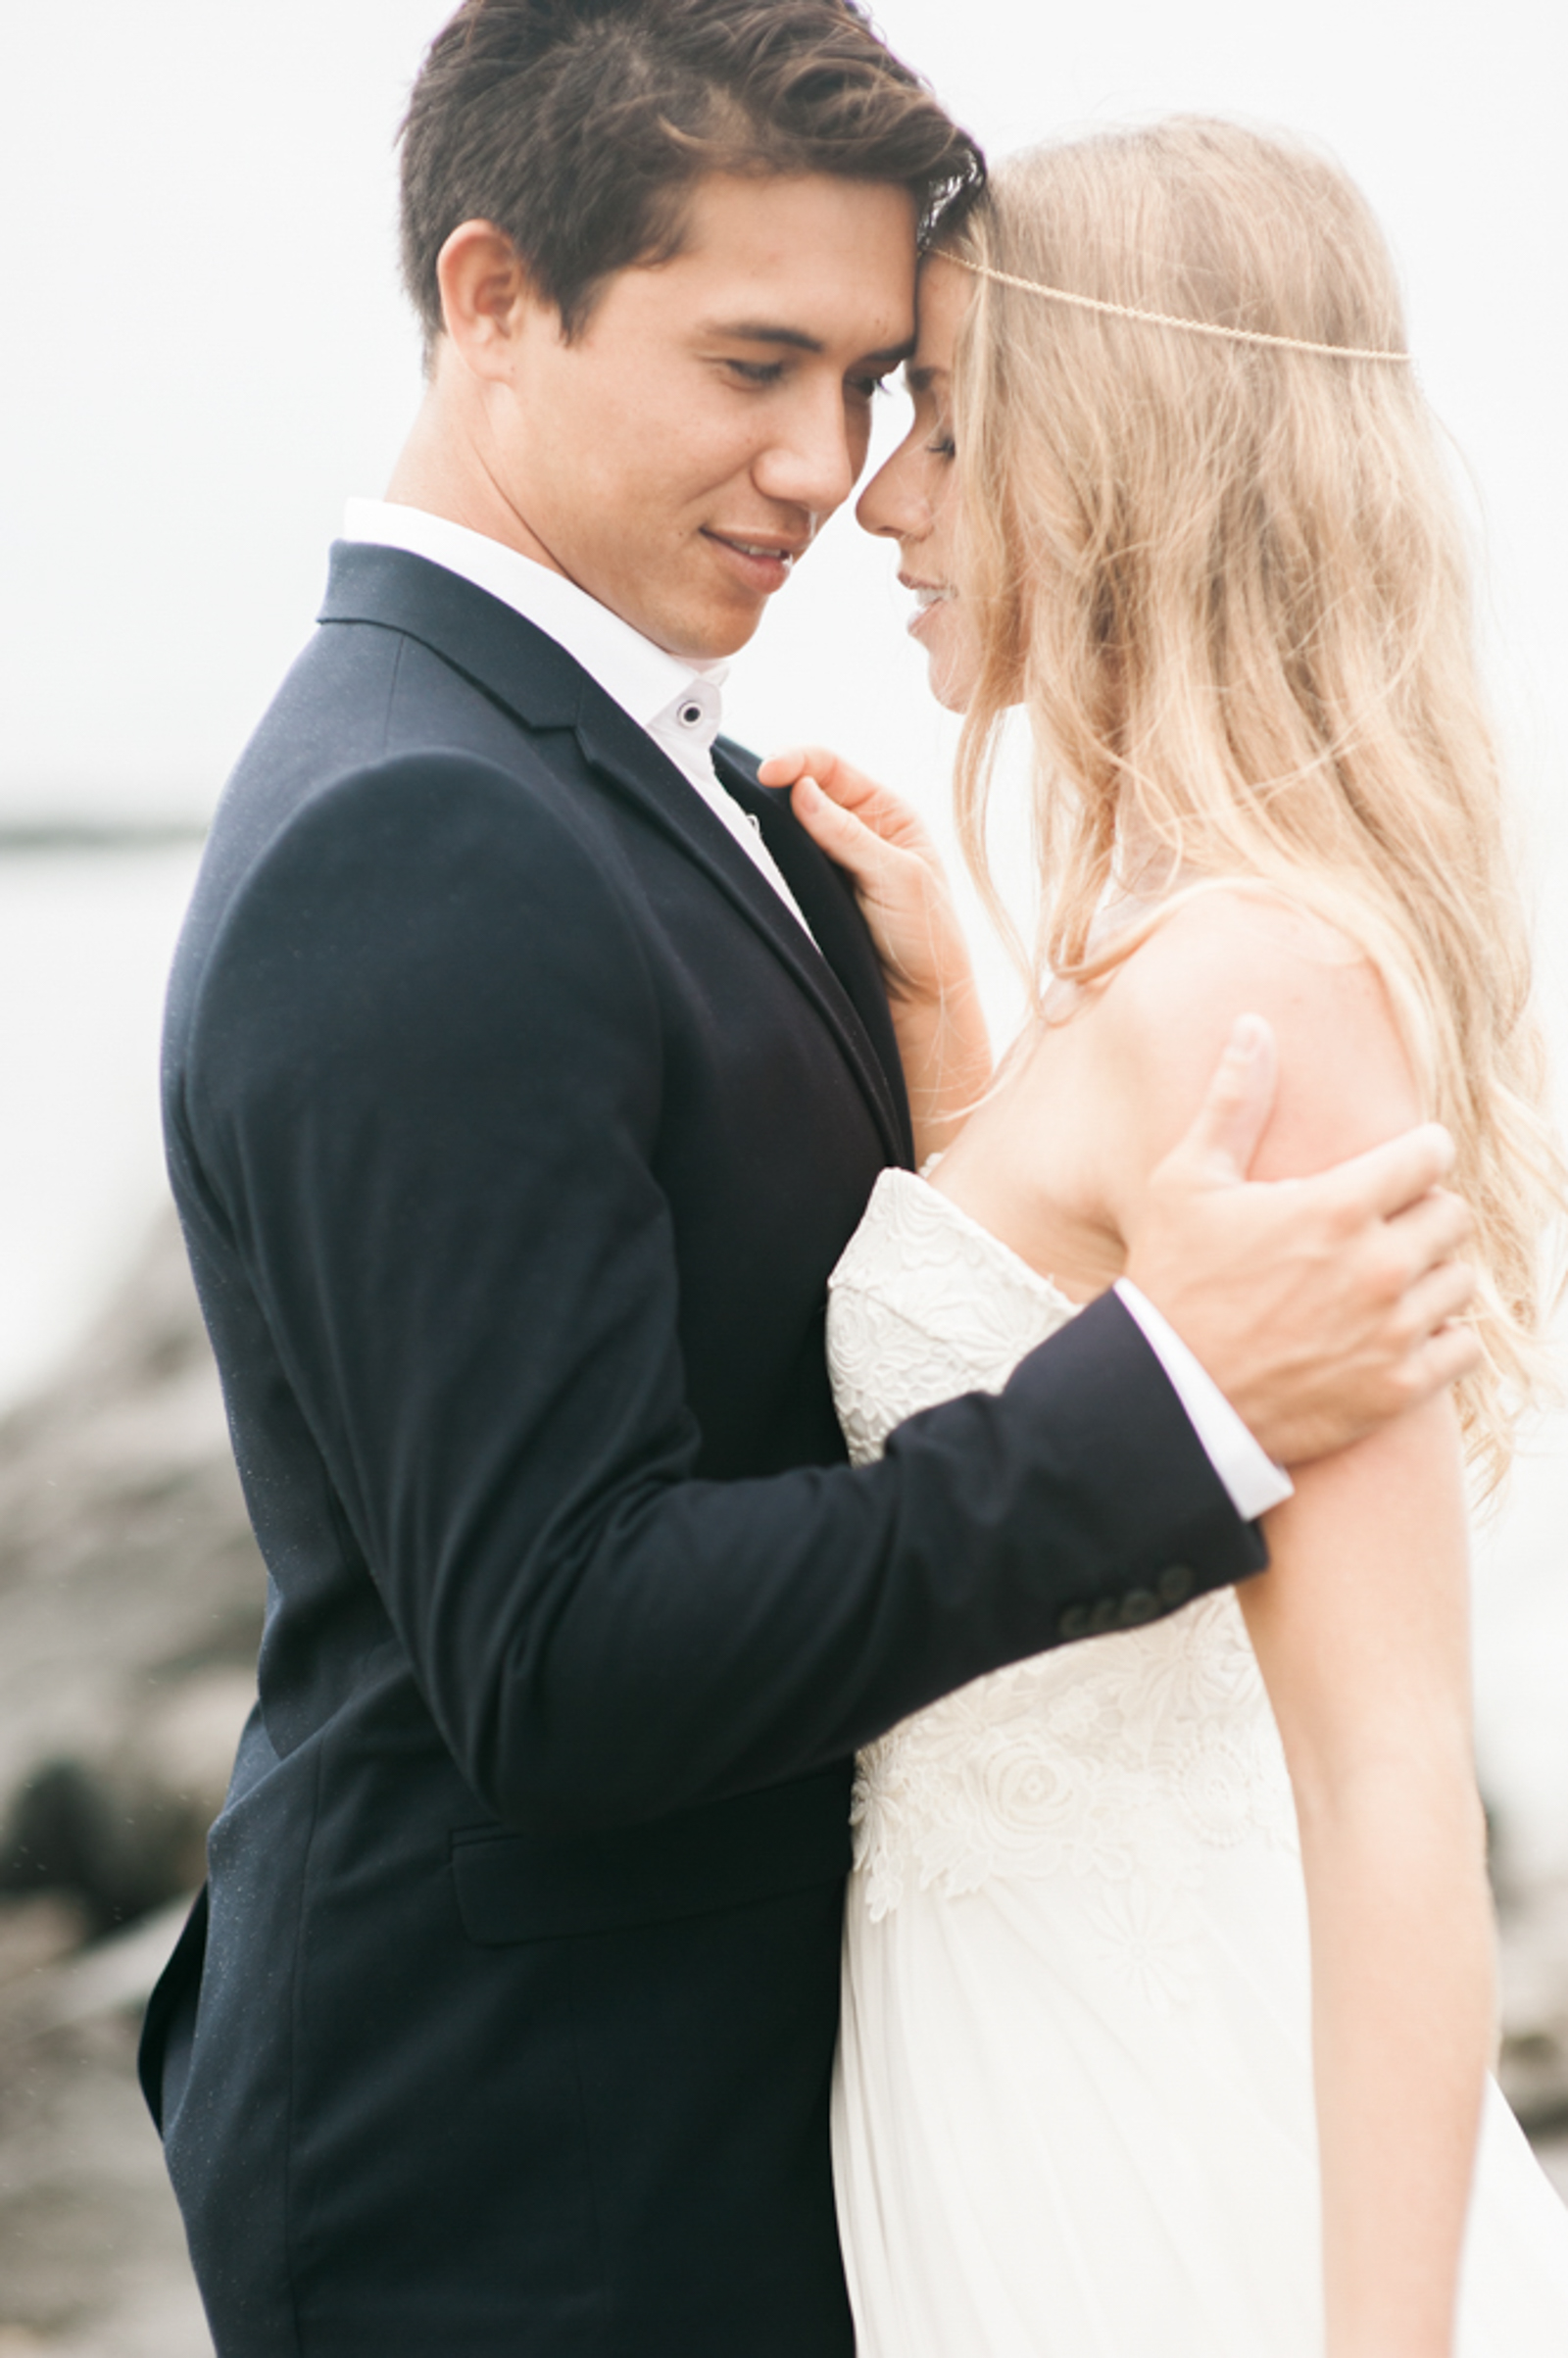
933 425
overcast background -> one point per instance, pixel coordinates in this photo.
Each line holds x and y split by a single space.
208 351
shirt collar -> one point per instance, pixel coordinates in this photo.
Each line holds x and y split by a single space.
646 681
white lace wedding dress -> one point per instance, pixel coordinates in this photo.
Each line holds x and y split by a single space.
1073 2110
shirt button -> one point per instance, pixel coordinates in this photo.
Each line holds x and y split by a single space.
1074 1622
1175 1583
690 715
1137 1607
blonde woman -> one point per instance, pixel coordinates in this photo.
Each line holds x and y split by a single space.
1168 1985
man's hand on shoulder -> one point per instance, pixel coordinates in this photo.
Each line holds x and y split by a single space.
1321 1300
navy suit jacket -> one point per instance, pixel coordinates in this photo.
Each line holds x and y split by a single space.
515 1126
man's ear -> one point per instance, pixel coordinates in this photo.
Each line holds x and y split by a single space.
486 295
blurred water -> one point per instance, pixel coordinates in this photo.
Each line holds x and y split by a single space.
85 939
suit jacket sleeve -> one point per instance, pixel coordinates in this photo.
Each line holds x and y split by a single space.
423 1095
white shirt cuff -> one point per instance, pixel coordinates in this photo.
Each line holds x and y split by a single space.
1252 1479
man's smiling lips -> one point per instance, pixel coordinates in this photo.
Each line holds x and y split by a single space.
761 561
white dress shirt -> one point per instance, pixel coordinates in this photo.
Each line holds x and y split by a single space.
680 705
677 702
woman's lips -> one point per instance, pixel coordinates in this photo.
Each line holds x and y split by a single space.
929 598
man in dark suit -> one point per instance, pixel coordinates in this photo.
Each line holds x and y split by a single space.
527 1070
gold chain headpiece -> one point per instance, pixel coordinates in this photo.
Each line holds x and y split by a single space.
1162 319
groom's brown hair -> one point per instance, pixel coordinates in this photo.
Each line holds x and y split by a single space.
578 127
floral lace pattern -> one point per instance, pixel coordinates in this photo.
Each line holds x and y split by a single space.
1126 1760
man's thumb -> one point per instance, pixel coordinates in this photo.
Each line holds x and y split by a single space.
1230 1121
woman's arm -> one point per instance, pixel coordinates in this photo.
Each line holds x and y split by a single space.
903 895
1361 1632
1361 1626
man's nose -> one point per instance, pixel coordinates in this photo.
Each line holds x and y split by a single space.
814 463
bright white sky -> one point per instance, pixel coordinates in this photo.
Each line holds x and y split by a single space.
208 349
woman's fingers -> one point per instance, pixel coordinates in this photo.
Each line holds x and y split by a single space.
882 811
897 873
838 778
782 769
846 840
893 888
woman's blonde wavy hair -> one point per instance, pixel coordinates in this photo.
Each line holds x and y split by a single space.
1229 585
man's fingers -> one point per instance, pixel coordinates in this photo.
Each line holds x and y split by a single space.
1230 1121
1449 1354
1388 1179
1432 1229
1439 1297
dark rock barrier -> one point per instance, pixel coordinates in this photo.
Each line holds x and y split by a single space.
131 1604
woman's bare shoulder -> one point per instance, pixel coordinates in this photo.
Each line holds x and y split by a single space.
1345 1077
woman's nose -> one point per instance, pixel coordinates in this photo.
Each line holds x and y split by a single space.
893 505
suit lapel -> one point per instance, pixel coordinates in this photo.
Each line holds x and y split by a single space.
827 900
623 753
519 667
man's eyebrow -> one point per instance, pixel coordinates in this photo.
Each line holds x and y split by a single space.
891 358
921 380
794 339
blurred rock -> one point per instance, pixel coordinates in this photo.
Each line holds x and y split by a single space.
130 1603
92 2256
1532 1998
130 1607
